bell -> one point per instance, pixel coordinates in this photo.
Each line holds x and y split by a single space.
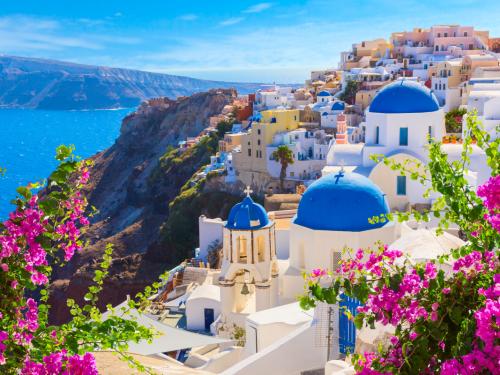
245 290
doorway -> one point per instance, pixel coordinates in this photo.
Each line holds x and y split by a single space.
209 318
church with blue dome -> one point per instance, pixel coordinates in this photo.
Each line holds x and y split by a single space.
247 215
342 202
336 211
404 96
401 121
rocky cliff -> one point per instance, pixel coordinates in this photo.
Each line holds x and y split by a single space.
132 184
48 84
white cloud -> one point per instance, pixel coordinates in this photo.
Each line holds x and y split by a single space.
24 35
231 21
188 17
257 8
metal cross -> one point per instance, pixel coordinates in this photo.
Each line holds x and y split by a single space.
341 172
342 164
248 191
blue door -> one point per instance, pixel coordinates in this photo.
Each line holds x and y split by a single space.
401 185
347 330
209 318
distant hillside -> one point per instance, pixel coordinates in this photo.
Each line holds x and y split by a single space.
49 84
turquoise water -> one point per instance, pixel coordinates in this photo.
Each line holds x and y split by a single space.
28 139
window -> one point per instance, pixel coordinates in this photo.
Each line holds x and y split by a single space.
292 174
437 48
439 35
403 136
249 152
446 35
377 135
401 185
260 248
430 134
258 142
241 246
465 33
258 131
435 86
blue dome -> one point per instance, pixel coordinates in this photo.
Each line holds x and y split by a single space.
404 97
324 93
341 202
338 106
247 215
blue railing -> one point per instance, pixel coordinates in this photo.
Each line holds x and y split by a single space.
347 329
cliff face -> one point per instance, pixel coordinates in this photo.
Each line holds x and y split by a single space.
132 192
48 84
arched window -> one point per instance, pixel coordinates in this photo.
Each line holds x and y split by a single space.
260 249
241 246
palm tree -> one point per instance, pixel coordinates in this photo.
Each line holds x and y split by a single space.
285 157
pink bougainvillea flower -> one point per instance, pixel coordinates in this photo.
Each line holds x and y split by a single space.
318 272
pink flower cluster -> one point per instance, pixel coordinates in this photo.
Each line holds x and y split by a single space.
3 337
476 262
69 230
60 363
318 272
21 252
490 192
374 264
486 354
24 227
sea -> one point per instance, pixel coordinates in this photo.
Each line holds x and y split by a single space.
28 140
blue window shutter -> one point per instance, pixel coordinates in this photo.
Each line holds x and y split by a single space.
401 185
403 136
377 136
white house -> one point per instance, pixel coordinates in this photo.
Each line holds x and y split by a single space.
210 234
484 97
309 149
202 307
330 112
324 97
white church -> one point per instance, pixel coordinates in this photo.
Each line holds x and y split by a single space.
403 118
265 254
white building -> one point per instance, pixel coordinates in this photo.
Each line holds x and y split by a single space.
202 307
324 97
447 94
398 124
210 234
273 97
330 112
309 149
484 97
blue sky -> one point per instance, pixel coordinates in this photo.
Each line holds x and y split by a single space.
259 41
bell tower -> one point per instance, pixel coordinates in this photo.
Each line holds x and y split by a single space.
249 271
341 136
